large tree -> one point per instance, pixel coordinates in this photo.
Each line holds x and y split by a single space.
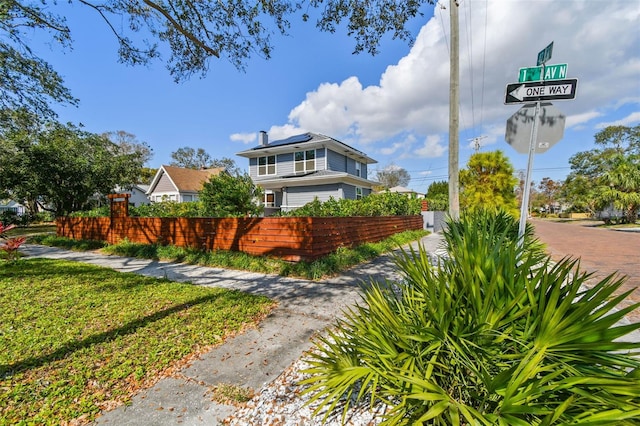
62 168
488 182
548 191
192 32
128 143
393 175
610 173
190 158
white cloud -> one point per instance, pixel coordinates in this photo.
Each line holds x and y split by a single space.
599 42
632 119
431 148
245 138
282 132
577 119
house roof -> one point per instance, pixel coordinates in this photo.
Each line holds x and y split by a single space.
403 190
184 180
306 141
10 203
139 186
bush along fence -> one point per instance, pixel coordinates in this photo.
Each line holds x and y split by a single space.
289 238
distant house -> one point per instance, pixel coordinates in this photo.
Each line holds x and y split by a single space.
407 191
296 170
138 194
179 184
12 206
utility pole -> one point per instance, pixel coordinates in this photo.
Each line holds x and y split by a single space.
454 113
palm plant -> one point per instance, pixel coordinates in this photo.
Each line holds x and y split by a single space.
495 333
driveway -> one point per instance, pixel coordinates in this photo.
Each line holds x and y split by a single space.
601 251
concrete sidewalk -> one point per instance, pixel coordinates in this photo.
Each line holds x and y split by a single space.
251 359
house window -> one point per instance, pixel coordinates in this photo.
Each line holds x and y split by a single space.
267 165
305 161
269 200
358 192
358 169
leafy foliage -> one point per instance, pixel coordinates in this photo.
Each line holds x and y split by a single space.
609 174
494 333
488 183
438 196
225 195
393 175
29 82
11 245
167 209
191 32
60 168
190 158
379 204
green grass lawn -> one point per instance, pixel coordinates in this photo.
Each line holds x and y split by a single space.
78 338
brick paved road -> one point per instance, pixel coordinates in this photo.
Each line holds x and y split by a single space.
602 251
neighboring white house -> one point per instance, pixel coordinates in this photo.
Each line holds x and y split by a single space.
296 170
407 191
179 184
12 206
138 194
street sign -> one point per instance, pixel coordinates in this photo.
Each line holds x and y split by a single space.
545 54
533 91
551 122
551 72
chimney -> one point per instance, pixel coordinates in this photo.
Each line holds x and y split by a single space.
263 138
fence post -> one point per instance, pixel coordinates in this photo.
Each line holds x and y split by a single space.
118 208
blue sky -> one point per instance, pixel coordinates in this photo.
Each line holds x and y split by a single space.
393 106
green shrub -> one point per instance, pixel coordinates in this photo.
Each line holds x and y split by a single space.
67 243
380 204
102 211
494 334
168 209
43 217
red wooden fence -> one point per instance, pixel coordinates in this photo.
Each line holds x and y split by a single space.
289 238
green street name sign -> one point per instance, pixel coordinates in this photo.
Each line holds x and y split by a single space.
551 72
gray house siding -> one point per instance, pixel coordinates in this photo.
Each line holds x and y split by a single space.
253 168
341 163
164 184
284 164
349 191
336 162
301 195
321 159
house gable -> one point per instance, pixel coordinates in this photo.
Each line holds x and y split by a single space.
179 184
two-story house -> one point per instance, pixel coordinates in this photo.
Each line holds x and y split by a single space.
296 170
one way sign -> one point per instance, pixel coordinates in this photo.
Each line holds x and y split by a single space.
534 91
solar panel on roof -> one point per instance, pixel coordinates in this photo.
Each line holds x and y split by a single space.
305 137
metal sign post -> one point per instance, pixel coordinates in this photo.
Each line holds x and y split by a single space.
552 121
543 57
524 209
